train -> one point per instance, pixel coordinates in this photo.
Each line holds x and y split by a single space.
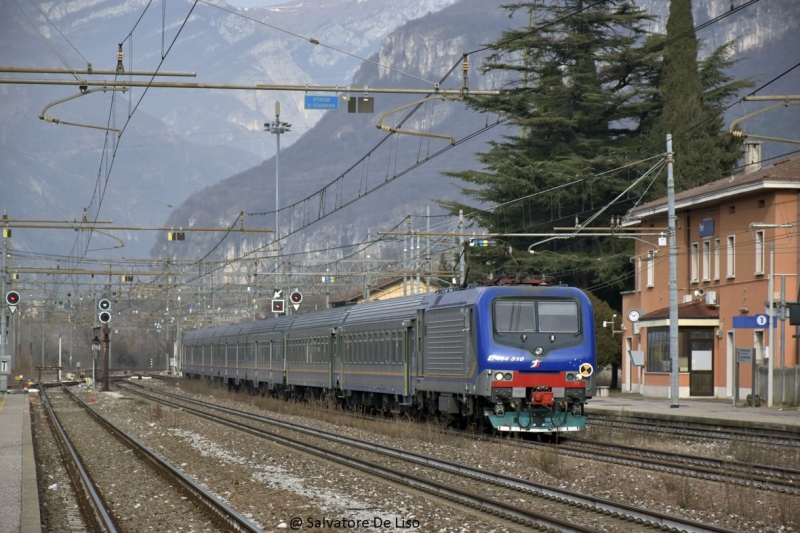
510 359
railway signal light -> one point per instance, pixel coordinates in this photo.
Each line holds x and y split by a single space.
12 299
104 305
296 298
277 306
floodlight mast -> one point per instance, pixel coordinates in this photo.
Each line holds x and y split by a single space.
277 128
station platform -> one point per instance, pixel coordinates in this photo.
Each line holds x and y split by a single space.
706 411
17 467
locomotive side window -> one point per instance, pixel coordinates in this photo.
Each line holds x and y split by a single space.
558 317
514 317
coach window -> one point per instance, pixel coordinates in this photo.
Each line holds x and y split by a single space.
350 348
371 348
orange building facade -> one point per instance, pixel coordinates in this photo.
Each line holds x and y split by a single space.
728 234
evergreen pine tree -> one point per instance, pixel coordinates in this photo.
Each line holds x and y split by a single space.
579 98
692 96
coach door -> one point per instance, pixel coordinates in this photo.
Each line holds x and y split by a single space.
408 344
334 359
272 355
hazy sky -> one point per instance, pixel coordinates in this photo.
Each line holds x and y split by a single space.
254 3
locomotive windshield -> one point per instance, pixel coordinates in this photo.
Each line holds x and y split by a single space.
558 317
514 317
529 317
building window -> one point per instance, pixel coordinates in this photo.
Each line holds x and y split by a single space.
760 252
639 273
695 259
716 259
658 350
651 268
730 253
706 260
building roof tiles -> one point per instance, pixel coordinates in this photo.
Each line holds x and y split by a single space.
785 172
694 309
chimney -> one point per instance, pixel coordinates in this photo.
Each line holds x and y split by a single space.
752 156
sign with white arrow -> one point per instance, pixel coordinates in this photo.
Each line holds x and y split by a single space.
277 293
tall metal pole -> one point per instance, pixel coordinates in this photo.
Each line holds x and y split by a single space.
461 266
771 364
674 389
106 331
277 167
428 251
4 309
277 128
783 338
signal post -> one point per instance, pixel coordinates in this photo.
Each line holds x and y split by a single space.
104 317
106 331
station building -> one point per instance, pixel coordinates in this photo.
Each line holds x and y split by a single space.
728 233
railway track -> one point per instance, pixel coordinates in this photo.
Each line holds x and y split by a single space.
89 512
769 434
124 481
763 477
450 481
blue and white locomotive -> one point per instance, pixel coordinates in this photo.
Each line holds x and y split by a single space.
520 358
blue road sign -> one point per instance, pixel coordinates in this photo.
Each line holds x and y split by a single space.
322 102
754 322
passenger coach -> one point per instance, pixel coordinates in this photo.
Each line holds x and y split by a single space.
518 358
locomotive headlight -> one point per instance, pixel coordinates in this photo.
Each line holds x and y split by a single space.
539 350
498 376
507 376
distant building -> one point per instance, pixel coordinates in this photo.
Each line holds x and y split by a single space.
726 236
384 289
